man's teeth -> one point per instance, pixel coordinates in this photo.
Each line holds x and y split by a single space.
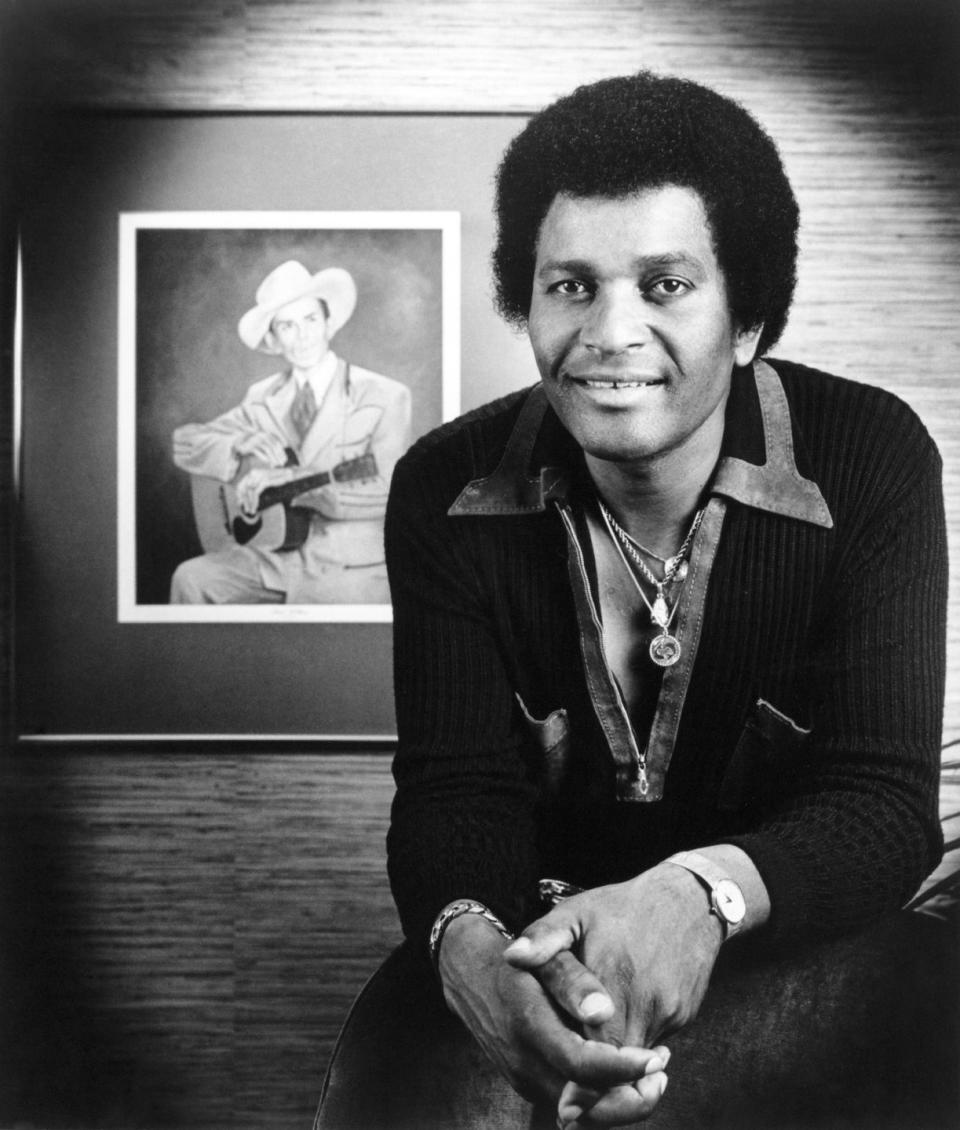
616 384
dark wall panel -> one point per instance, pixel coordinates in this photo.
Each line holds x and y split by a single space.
80 671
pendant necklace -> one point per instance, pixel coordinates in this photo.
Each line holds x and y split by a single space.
664 648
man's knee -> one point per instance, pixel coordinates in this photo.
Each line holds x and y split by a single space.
227 576
405 1062
187 585
862 1030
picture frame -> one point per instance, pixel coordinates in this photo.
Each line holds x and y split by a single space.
184 280
94 661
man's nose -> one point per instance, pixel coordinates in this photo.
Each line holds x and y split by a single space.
616 321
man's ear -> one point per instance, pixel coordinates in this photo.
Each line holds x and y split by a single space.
745 347
270 343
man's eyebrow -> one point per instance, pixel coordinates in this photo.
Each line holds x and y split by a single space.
660 262
567 267
669 259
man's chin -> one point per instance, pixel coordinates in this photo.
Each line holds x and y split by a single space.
625 455
307 361
614 446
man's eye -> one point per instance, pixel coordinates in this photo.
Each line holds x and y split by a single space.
570 287
668 287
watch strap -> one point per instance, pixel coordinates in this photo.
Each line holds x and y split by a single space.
711 875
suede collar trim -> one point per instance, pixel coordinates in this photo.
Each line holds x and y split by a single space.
776 486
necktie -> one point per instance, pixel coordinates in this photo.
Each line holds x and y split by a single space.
303 410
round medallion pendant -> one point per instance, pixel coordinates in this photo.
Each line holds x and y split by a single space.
665 650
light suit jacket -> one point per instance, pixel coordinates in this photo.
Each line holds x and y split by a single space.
361 413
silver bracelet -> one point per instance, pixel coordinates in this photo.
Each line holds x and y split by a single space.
454 910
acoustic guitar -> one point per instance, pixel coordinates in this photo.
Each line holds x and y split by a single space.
222 522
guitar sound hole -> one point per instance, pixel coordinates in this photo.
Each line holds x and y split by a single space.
244 531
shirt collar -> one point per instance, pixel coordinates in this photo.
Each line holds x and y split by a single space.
757 465
321 378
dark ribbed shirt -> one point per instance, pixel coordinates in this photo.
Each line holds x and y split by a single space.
810 732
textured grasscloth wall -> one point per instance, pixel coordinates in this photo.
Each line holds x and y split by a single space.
182 935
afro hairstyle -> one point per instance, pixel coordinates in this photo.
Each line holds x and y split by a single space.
620 136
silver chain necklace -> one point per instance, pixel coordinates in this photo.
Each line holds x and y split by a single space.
670 564
664 648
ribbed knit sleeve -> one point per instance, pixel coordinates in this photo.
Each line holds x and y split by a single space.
463 821
859 830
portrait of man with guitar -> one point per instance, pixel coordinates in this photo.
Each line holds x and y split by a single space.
290 487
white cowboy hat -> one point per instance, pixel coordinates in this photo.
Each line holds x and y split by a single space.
287 283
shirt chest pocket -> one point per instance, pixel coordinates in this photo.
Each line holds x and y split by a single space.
356 438
551 737
765 762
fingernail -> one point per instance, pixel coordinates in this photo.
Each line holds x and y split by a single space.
664 1054
654 1065
520 947
663 1084
594 1004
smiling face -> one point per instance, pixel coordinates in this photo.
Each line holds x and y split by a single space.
300 333
630 324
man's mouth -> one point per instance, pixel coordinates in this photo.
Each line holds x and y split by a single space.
616 382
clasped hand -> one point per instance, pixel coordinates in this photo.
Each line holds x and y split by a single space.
571 1011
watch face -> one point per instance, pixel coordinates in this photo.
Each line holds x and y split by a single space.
728 899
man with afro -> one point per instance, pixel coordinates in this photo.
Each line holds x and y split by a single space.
669 660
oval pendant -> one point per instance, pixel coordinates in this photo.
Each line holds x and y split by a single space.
665 650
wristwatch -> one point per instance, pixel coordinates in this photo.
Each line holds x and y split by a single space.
726 898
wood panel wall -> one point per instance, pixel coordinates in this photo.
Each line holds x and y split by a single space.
183 934
188 930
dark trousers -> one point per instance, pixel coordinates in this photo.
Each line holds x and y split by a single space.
860 1032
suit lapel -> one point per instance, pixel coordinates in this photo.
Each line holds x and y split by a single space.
277 406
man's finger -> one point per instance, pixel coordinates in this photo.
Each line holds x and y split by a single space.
541 941
579 1106
576 990
647 1092
598 1066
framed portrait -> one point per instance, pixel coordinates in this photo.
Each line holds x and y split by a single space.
145 240
370 306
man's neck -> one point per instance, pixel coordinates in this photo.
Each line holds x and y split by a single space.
655 499
318 375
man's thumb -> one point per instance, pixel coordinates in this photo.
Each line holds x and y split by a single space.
538 944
